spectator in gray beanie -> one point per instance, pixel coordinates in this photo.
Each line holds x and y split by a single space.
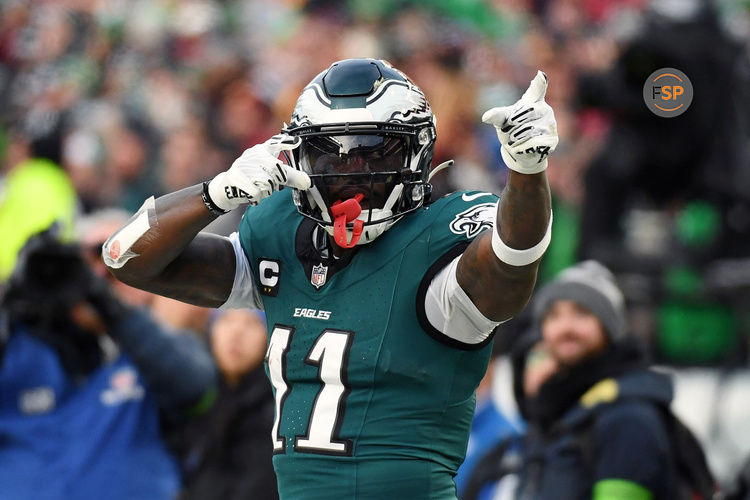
586 287
600 426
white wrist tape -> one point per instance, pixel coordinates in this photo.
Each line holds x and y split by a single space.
525 257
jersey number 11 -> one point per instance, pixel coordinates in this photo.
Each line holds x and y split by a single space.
330 353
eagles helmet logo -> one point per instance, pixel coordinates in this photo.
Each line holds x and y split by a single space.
474 220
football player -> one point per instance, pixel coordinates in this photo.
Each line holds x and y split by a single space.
380 302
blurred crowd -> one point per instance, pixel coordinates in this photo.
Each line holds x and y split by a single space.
138 97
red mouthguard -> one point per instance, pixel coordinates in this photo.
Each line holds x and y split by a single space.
344 212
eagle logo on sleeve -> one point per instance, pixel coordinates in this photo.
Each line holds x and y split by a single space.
474 220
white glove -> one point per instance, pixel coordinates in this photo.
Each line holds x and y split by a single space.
527 130
256 174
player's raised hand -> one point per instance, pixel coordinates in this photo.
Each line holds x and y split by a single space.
527 129
256 174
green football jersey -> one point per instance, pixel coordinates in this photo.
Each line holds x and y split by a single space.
371 400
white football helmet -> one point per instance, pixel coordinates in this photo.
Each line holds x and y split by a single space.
368 136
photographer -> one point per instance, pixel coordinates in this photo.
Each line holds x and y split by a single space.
86 383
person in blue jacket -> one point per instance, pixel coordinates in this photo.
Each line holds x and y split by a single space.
599 422
600 426
85 384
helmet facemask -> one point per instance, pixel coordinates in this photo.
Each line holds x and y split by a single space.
384 172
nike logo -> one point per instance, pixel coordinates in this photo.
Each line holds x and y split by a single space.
472 197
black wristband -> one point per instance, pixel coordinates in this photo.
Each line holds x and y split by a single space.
210 205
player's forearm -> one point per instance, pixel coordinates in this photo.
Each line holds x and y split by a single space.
168 256
170 225
524 210
501 287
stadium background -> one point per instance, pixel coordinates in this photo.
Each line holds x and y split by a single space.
133 98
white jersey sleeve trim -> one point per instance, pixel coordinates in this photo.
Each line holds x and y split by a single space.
244 293
450 311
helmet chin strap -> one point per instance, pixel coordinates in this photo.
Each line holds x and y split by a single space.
344 212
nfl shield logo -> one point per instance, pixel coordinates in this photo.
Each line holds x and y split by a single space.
318 277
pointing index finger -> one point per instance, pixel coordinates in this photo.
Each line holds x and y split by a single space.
296 178
537 89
